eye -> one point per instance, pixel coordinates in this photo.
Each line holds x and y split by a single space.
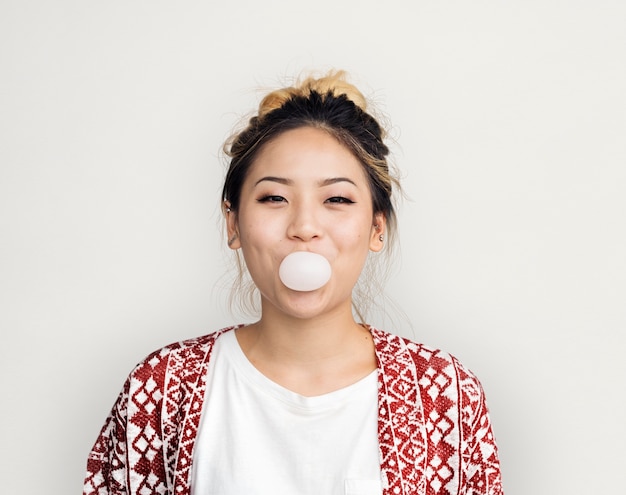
270 198
339 200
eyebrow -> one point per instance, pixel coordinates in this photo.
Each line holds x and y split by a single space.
289 182
335 180
271 178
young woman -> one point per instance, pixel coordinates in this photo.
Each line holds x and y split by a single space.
306 400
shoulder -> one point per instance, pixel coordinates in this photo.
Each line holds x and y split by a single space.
430 364
180 358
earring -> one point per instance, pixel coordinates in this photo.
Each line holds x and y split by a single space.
381 238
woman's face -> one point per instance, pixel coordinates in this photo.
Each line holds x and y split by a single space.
305 191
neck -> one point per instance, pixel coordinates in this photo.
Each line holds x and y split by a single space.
308 339
309 356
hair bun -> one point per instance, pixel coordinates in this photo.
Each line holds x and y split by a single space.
334 82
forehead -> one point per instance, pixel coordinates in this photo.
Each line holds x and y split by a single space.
307 152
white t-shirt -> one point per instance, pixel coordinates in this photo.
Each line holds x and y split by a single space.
258 438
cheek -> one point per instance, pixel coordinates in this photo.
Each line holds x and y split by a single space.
252 236
257 238
353 231
250 227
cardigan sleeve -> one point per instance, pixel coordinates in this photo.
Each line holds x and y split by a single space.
138 450
481 465
106 464
127 455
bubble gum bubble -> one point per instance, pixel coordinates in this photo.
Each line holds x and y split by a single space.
304 271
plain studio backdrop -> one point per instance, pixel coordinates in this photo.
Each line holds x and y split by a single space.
509 127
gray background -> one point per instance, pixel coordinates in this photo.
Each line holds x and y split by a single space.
509 120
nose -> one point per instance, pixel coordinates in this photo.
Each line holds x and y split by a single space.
303 224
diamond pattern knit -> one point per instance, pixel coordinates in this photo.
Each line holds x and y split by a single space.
434 432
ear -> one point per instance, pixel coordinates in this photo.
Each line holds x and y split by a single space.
378 229
232 227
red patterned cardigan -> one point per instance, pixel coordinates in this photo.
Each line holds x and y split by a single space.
434 431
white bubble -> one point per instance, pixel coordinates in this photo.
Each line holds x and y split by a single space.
304 271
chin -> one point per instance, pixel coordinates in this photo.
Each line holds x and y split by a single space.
309 305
